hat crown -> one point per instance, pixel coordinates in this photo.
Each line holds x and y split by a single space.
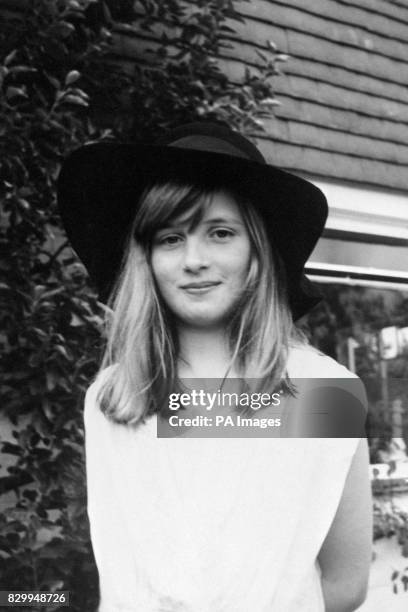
213 138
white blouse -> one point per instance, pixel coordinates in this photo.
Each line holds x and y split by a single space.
212 524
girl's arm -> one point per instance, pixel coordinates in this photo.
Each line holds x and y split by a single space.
345 555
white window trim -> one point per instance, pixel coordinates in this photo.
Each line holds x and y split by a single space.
357 275
366 211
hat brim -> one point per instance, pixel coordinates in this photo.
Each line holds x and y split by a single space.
100 184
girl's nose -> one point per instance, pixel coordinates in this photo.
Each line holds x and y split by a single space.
195 254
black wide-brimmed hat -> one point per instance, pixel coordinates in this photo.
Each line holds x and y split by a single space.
100 185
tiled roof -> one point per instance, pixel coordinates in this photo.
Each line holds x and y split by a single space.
344 91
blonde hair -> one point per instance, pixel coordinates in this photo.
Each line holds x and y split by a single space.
142 345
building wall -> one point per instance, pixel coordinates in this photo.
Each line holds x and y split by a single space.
344 112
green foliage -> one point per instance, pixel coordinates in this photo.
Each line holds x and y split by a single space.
60 86
179 69
50 318
390 520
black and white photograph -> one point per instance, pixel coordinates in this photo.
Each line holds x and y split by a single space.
204 305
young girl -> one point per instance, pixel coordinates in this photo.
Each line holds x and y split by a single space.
199 248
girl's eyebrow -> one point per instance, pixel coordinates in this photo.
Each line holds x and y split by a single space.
223 220
174 224
169 226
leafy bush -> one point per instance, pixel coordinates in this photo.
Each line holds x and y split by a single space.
360 313
390 521
61 86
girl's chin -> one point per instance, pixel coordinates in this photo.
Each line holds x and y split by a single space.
203 315
204 321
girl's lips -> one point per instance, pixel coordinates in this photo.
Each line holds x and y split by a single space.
199 287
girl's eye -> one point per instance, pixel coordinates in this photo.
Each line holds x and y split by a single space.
222 234
171 240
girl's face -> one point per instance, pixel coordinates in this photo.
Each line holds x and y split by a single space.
201 270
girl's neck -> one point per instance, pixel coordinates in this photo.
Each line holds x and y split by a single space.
203 353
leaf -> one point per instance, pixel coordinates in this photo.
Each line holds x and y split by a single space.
51 381
72 76
106 12
61 350
14 92
30 494
39 290
11 449
23 204
9 58
76 321
18 69
53 80
47 410
13 539
282 57
65 29
75 100
271 102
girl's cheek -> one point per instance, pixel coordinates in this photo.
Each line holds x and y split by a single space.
159 264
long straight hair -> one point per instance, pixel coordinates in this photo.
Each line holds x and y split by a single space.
140 361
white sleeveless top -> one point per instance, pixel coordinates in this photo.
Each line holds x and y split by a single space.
213 524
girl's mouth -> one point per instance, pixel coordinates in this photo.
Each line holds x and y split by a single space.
200 287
